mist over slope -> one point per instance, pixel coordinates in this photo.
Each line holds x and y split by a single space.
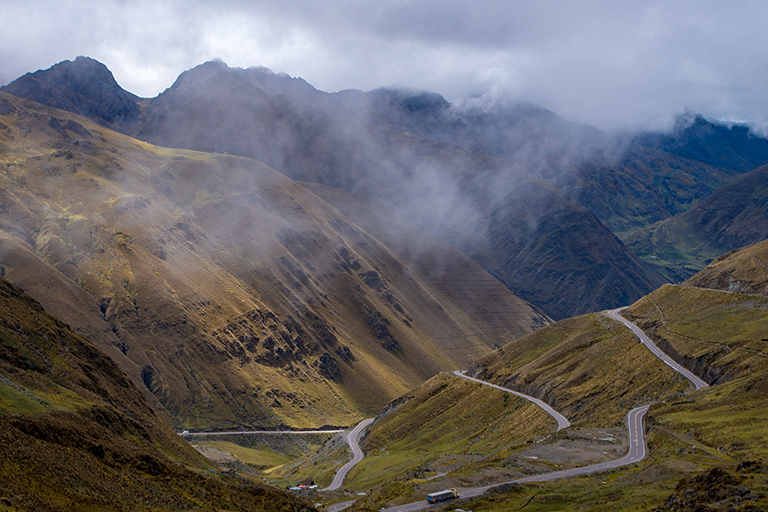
474 176
227 291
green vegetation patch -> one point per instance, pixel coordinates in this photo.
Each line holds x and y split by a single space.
262 458
319 466
731 419
448 429
590 368
19 401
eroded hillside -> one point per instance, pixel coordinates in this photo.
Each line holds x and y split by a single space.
469 177
229 292
76 434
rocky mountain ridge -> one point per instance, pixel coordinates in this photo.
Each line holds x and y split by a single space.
446 169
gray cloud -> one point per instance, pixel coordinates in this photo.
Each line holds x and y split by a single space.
610 63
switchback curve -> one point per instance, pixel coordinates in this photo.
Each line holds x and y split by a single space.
562 421
357 455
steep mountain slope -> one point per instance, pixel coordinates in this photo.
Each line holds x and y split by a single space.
662 174
592 369
447 170
640 186
735 215
743 270
78 435
232 294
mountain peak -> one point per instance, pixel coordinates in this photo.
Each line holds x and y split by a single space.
212 69
84 86
731 146
687 119
413 101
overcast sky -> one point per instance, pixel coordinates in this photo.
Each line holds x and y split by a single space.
609 63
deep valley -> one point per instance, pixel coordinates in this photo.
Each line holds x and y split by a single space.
244 252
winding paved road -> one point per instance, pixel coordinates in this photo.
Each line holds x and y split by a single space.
562 421
637 448
357 455
700 384
636 453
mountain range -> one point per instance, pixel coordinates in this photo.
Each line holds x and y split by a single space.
246 251
384 263
396 149
475 175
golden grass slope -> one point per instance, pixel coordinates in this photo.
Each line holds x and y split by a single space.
227 291
743 270
717 335
589 368
592 368
77 435
706 448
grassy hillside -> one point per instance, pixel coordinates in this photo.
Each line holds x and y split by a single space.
717 335
742 270
589 368
721 337
705 452
447 432
450 432
228 292
706 448
76 434
735 215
